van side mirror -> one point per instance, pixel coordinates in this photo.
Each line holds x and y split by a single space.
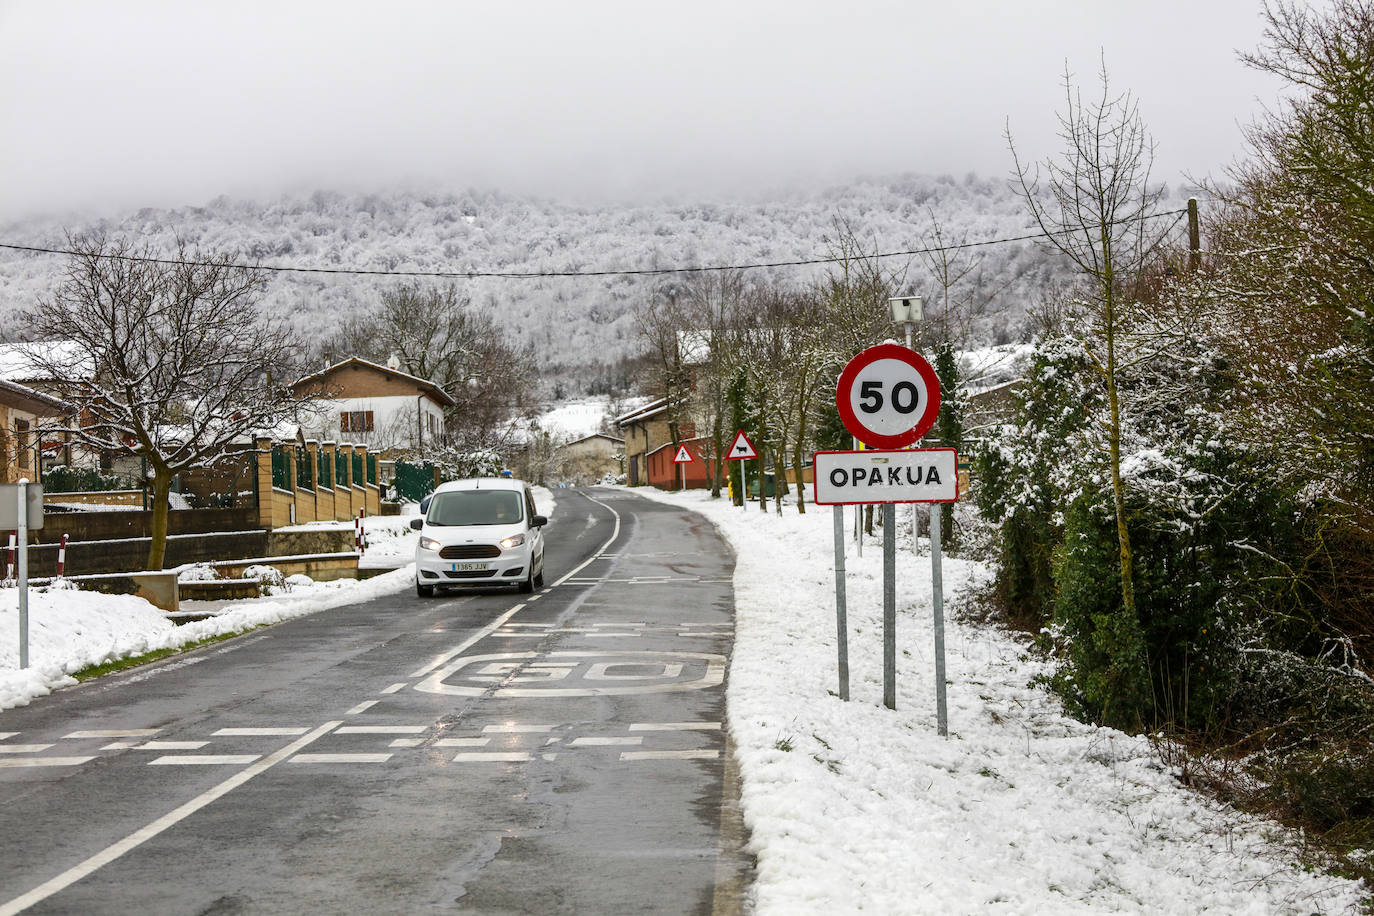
539 521
417 523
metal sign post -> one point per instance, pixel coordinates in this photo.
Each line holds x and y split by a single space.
889 396
21 508
938 599
841 624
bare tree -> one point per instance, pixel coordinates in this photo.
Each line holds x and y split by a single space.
1094 206
436 333
177 364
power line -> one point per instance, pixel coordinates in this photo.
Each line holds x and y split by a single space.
529 275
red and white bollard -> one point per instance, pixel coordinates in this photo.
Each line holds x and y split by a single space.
9 563
359 534
61 556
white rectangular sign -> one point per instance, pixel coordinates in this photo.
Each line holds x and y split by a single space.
9 506
926 475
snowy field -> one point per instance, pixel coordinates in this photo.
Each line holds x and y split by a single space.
856 808
853 807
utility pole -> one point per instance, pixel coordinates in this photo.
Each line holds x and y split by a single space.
1194 236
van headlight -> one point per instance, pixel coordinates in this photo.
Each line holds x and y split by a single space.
515 540
429 544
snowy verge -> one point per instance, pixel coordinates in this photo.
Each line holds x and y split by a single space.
852 806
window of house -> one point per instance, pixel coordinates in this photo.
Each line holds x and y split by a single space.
21 428
355 421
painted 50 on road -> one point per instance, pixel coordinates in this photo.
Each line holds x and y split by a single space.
925 475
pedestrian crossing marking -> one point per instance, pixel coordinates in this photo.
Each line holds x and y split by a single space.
258 732
340 758
202 759
23 748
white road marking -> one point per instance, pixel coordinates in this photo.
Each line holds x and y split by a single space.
4 735
119 745
515 728
712 676
407 742
669 755
43 762
341 758
492 757
606 742
23 748
394 687
172 745
381 729
114 733
202 759
462 742
142 835
469 642
364 706
257 732
674 726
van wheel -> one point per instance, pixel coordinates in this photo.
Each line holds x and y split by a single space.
527 583
423 591
539 578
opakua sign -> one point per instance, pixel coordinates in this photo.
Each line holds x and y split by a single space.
929 475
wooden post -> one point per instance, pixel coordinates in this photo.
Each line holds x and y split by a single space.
1194 236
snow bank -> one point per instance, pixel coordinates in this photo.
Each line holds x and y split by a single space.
854 807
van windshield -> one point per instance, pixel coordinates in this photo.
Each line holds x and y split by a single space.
475 507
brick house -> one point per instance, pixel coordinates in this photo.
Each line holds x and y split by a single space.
28 422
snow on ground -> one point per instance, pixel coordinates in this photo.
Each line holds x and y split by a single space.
853 807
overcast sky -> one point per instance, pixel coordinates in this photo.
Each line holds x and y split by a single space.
133 103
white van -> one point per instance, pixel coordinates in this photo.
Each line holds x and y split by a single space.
482 531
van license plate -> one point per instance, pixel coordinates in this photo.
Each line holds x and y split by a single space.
468 567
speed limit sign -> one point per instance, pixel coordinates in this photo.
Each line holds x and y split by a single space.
888 396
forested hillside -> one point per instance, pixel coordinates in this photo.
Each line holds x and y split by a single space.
573 322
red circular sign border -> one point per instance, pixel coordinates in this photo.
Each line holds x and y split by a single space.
872 355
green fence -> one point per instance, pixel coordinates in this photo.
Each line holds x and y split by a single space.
281 468
357 469
341 469
304 466
413 481
372 469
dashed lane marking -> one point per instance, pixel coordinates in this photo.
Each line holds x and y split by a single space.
43 761
362 707
515 728
674 726
114 733
670 755
340 758
258 732
394 688
606 742
380 729
172 760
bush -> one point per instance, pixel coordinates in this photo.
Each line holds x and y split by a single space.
64 478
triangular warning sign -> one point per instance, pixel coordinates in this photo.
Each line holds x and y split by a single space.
742 448
683 456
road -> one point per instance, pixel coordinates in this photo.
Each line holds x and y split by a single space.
479 752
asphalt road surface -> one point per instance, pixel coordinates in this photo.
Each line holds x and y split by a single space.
480 752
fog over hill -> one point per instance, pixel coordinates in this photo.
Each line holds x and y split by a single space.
574 322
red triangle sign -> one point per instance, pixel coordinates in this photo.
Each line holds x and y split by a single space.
683 456
742 448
